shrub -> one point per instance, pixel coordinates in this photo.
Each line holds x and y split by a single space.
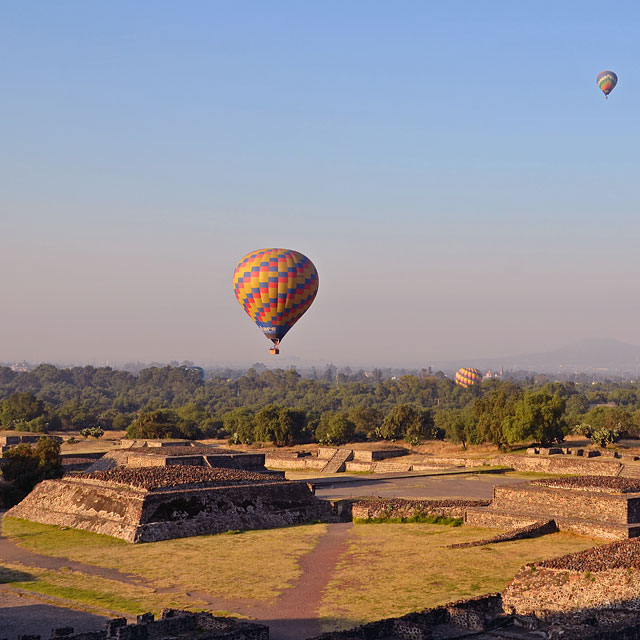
94 432
603 436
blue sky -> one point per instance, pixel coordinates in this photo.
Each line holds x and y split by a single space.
452 169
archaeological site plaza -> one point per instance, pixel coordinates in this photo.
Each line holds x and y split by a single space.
148 493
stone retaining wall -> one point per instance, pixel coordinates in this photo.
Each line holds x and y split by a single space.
568 503
555 464
399 508
282 461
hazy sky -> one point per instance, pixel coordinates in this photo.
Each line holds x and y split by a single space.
451 168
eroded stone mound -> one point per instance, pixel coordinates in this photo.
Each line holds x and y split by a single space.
159 503
177 476
624 554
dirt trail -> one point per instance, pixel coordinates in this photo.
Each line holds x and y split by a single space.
292 616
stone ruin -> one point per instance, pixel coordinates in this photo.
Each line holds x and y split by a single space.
597 506
146 504
151 455
173 625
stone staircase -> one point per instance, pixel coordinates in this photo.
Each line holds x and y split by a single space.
630 471
336 463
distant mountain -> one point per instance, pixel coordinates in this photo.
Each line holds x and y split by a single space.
605 356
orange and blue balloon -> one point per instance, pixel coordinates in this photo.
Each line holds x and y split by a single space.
467 377
275 287
607 80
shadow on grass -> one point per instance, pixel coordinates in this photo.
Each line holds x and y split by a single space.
12 575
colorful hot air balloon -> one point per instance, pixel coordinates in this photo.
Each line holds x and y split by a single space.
275 287
468 377
607 80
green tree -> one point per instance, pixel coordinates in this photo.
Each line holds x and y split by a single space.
459 425
538 416
281 425
409 422
335 428
241 425
20 408
161 423
367 420
23 466
611 418
494 410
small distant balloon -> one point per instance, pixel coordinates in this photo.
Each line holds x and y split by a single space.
467 377
607 80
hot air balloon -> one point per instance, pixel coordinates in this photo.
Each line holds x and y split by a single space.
607 80
275 287
468 377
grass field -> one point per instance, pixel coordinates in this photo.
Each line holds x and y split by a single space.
387 570
392 569
255 565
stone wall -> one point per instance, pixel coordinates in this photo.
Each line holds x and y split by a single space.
568 503
399 508
373 455
171 626
558 464
143 515
475 614
277 460
597 513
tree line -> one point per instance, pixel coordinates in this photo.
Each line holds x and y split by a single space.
282 407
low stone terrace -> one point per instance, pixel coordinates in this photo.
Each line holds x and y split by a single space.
603 484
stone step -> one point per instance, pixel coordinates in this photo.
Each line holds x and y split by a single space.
336 463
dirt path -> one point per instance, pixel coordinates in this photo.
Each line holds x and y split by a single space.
294 614
291 616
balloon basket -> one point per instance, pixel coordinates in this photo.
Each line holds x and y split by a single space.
274 351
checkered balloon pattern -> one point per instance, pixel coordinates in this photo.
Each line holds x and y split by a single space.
275 287
607 80
468 377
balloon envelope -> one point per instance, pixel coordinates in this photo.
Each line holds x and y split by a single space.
275 287
607 80
467 377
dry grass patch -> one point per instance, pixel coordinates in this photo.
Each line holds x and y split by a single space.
391 569
93 591
254 565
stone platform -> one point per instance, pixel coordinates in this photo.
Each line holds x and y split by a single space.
180 454
160 503
597 506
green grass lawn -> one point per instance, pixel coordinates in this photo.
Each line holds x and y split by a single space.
393 569
387 570
255 565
